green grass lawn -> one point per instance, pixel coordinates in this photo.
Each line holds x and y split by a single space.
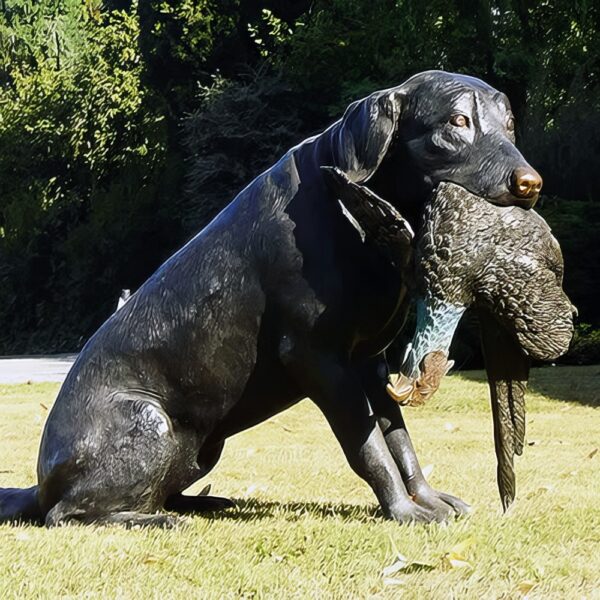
306 527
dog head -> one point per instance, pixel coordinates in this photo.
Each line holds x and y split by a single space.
435 127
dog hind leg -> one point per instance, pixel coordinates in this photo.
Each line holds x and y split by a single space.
202 502
134 458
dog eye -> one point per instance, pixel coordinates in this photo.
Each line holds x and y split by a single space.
510 124
459 121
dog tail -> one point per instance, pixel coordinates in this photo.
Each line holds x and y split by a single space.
20 505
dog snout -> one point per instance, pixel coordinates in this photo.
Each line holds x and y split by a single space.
526 183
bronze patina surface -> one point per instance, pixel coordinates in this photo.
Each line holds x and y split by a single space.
277 299
504 263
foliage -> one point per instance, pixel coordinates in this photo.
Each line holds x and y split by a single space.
184 42
575 225
125 125
239 129
78 123
178 38
344 49
585 348
82 150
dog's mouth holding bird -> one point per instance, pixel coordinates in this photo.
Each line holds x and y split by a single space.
466 252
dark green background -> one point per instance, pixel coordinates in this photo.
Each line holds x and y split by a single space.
125 126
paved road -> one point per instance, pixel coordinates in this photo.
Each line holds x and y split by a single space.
21 369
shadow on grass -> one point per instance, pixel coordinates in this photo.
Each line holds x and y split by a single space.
564 383
253 509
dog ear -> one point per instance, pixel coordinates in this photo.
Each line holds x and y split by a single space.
361 139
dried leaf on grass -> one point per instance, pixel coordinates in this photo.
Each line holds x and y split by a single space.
452 560
401 563
593 453
541 490
456 557
524 587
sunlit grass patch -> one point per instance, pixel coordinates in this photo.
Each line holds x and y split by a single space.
306 527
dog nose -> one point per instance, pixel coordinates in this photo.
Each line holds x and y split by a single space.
526 182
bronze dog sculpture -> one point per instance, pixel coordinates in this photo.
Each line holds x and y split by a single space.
276 299
505 263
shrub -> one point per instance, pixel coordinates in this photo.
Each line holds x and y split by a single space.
239 129
585 347
83 158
